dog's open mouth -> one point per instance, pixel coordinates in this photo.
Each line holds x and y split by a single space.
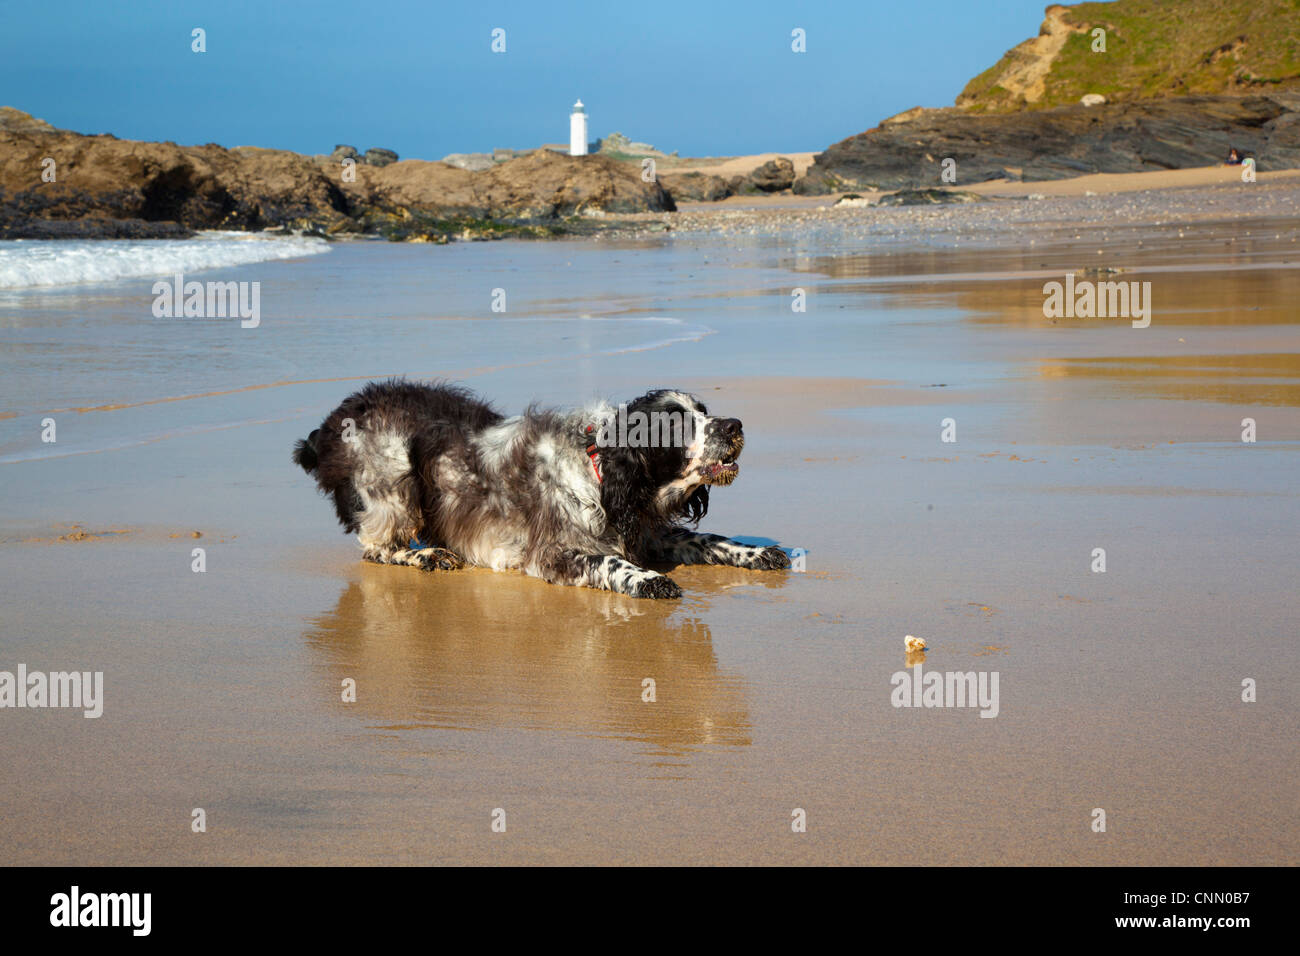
721 472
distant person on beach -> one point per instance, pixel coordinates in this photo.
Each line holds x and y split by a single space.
1234 157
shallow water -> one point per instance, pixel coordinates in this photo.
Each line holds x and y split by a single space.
478 691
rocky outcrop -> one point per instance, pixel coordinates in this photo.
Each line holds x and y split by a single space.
696 187
376 156
1169 133
97 179
116 187
619 146
474 162
16 121
773 176
541 185
928 197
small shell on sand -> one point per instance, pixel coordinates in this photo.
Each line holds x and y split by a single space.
914 643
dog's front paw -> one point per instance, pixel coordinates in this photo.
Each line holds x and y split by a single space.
771 559
657 587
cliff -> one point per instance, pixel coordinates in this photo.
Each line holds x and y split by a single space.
1152 49
1168 85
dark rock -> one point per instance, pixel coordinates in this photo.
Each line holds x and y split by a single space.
32 228
342 152
819 182
1283 142
742 186
773 176
696 187
380 157
927 197
1172 133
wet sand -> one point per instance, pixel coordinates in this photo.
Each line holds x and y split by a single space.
478 691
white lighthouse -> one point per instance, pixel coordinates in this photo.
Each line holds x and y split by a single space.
578 130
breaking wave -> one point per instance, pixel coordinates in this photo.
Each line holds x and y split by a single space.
26 264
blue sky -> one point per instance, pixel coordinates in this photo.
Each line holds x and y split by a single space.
710 77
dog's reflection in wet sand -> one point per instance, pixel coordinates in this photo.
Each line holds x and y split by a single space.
475 650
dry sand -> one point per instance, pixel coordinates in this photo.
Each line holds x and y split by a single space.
1109 183
736 165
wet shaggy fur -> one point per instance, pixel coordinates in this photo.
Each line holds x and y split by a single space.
433 477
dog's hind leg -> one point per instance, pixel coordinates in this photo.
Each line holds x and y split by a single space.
389 519
387 515
388 529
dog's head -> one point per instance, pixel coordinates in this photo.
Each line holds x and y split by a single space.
659 455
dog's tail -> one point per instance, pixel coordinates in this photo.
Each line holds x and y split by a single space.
304 452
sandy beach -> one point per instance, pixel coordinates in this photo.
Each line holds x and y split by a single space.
479 691
737 165
1101 184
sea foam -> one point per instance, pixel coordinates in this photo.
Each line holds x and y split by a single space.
43 263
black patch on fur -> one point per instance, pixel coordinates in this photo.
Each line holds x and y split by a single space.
627 495
304 452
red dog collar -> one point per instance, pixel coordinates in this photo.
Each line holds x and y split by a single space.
594 454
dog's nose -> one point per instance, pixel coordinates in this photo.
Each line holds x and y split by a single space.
729 427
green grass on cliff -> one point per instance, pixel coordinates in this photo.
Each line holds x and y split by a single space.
1160 48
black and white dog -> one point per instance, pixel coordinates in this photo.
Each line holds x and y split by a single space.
431 476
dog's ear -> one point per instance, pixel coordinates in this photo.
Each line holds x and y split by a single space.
625 493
